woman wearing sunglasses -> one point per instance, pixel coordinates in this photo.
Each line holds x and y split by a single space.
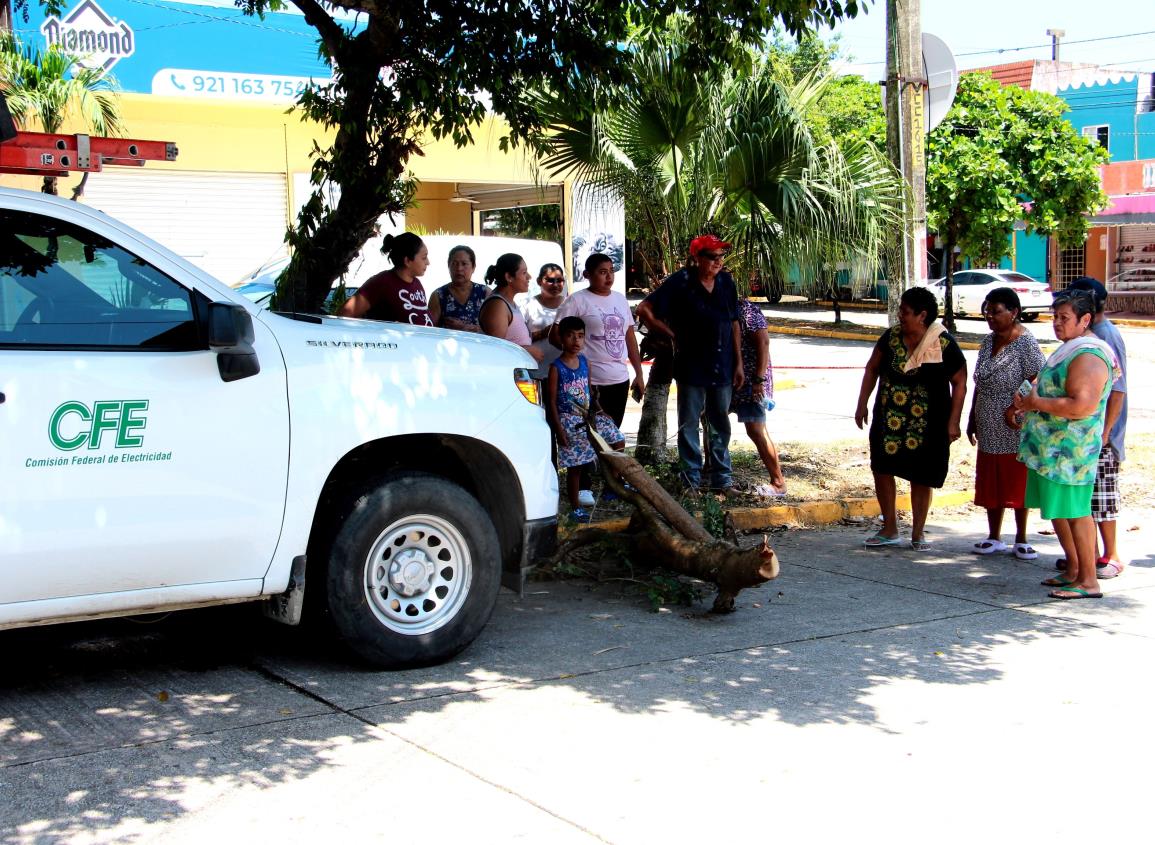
540 313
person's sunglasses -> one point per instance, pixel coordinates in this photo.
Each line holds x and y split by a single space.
711 256
559 280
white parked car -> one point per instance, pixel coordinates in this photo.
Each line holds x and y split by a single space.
971 287
166 443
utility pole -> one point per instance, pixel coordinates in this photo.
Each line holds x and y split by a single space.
906 140
1056 39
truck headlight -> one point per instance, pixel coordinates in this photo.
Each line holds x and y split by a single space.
527 385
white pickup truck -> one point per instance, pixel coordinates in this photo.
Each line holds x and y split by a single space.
166 444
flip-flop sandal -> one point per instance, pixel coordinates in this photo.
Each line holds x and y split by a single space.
989 547
1058 582
1111 569
1025 551
879 540
920 545
1079 593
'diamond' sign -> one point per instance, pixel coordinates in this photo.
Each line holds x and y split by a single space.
97 41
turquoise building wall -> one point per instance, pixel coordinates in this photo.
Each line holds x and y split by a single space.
1114 104
1030 256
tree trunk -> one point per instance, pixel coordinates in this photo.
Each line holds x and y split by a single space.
652 430
651 448
948 290
663 532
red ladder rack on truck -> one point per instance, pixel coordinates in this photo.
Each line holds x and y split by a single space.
43 154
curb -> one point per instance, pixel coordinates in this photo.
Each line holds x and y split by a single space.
804 513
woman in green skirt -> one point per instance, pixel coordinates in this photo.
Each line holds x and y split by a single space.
1062 436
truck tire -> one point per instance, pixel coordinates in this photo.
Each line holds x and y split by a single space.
414 572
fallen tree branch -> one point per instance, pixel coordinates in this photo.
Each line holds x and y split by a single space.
663 532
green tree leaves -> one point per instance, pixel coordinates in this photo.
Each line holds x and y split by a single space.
1003 155
733 151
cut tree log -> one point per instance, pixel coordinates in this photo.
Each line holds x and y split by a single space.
665 533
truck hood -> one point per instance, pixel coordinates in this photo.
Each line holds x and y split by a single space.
336 333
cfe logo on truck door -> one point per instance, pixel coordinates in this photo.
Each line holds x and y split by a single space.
116 423
74 424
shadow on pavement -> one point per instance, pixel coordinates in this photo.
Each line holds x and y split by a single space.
117 725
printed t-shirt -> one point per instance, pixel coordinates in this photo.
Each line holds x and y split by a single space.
607 320
393 299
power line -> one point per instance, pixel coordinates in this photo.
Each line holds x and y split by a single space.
1065 43
1047 46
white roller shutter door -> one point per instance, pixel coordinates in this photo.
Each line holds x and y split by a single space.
227 223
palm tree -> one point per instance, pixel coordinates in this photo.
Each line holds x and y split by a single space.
731 153
48 88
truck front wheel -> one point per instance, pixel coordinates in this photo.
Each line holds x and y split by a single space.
413 572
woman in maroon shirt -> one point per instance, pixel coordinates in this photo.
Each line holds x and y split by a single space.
395 295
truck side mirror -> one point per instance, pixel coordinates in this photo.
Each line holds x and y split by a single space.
231 337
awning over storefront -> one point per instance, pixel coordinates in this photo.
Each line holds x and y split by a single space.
1129 210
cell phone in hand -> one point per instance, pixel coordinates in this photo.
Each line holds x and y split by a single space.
636 392
1025 388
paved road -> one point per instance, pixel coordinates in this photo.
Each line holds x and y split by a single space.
865 694
818 381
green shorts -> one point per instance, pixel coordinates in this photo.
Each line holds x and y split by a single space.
1058 501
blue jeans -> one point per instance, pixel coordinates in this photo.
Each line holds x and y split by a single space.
715 401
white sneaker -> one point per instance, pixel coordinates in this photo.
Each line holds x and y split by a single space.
586 498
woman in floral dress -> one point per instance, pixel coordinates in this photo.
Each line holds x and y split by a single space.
921 377
751 401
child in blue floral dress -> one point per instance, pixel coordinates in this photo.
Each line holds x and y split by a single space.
568 391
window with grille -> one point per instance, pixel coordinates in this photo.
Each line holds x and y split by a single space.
1072 264
1149 176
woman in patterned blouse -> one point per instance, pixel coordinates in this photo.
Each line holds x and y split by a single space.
756 395
457 305
1009 355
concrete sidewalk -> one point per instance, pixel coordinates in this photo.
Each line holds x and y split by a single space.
858 696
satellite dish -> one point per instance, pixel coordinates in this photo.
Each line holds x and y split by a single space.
942 79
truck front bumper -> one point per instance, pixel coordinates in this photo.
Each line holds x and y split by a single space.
538 540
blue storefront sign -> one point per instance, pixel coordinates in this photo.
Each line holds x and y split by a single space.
197 48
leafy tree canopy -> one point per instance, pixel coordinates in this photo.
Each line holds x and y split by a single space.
849 108
732 152
407 69
1001 155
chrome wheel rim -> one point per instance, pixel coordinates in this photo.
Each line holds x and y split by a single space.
418 574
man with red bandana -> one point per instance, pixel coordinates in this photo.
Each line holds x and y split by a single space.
697 309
